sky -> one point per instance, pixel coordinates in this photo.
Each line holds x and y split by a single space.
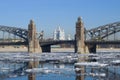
49 14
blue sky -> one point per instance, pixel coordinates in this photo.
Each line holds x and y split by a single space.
49 14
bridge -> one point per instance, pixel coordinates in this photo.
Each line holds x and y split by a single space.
85 40
91 37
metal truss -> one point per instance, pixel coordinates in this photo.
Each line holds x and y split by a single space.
22 33
95 33
103 31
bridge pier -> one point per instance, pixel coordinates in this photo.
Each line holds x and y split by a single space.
33 42
33 47
92 48
46 48
80 46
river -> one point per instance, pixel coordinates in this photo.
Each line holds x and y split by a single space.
57 66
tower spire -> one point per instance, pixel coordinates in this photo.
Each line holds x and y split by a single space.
31 21
80 20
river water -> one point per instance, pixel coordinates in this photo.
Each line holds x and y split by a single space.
57 66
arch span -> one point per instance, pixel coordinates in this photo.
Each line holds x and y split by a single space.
16 31
104 31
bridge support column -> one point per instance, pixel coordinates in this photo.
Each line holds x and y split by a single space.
87 49
33 47
33 42
80 38
75 45
92 48
46 48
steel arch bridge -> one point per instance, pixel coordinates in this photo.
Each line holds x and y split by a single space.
22 33
103 31
94 33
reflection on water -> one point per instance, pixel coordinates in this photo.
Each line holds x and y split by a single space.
60 66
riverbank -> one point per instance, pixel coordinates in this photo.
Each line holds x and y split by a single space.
13 49
62 49
25 49
108 50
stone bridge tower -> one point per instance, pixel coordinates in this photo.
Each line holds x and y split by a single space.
79 37
80 46
34 46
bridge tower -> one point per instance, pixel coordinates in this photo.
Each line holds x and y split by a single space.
33 42
80 37
33 47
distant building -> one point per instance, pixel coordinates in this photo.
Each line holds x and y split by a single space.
59 34
69 38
